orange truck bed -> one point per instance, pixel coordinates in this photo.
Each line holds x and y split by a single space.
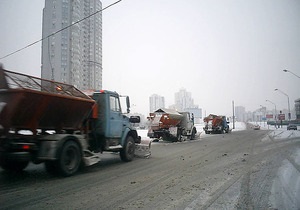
31 103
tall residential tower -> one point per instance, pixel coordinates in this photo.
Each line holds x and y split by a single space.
73 55
183 100
156 102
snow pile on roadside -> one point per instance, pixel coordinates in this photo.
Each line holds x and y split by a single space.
284 134
143 133
279 133
285 191
238 126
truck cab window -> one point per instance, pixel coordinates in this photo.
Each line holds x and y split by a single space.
114 104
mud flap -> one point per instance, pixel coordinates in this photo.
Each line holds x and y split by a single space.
91 158
143 150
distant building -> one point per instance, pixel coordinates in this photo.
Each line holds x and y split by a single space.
156 102
73 55
297 108
240 114
249 116
183 100
260 114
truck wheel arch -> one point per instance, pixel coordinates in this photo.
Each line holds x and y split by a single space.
129 132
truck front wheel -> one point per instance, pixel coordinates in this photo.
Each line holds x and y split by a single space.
127 152
70 159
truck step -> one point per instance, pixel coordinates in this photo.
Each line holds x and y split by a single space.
117 147
143 150
91 158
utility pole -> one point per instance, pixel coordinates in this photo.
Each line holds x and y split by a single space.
289 114
233 127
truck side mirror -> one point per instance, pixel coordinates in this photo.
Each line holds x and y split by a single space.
135 119
128 104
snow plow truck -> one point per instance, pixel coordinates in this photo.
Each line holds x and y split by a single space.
42 121
215 124
170 125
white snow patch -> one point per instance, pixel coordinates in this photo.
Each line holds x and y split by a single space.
279 133
297 157
285 191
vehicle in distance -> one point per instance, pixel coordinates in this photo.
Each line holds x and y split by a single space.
256 127
171 125
216 124
292 127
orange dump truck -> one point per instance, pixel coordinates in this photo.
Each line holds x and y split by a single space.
215 124
171 125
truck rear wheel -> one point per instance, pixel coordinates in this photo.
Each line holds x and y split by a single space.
127 152
69 159
11 165
193 135
179 137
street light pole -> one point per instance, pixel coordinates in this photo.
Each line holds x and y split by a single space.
262 110
285 70
233 124
275 112
289 114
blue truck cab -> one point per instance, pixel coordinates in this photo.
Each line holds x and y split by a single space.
111 129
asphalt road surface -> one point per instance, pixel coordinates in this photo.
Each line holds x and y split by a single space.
241 170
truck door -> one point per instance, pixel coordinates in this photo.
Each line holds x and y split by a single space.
115 118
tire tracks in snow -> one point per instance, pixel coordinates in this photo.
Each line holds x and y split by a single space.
254 182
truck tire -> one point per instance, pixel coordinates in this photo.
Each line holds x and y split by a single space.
222 131
69 159
15 166
127 152
193 135
227 130
179 136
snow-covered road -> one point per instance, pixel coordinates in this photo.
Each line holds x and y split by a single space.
285 185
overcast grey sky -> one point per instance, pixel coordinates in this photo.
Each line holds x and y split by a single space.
219 50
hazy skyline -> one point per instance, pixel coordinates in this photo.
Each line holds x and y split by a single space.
219 50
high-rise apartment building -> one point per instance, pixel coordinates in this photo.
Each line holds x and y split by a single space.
183 100
156 102
240 114
185 103
73 55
